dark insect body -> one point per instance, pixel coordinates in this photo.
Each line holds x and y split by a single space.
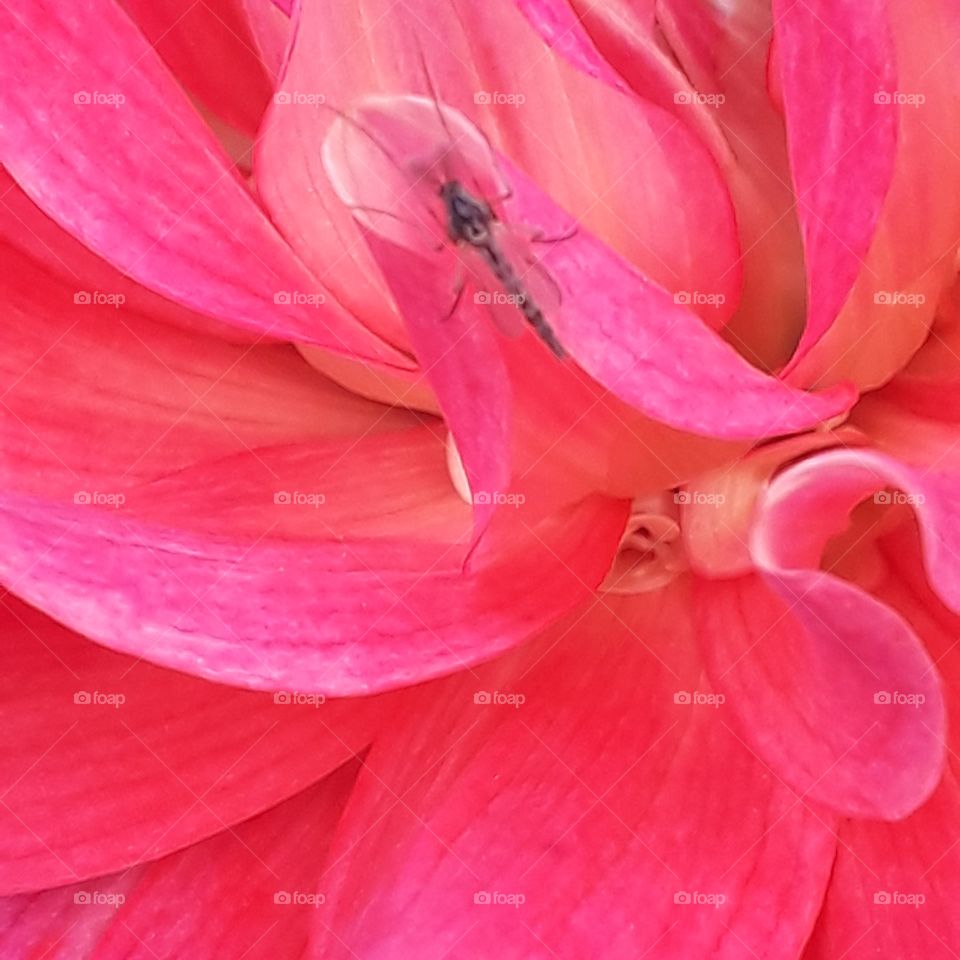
469 221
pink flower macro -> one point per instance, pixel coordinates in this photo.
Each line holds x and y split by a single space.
345 620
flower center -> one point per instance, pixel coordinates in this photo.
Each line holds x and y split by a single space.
651 550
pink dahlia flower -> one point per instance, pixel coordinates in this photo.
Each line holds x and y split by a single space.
347 616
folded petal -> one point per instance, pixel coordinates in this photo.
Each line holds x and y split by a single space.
898 79
829 683
834 60
248 891
109 761
626 170
894 887
569 801
116 127
637 340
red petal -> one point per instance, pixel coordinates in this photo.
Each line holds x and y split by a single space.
142 181
110 761
250 892
209 48
576 822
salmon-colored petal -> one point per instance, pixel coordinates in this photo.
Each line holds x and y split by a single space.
249 891
109 761
912 66
39 252
834 60
569 801
194 234
98 397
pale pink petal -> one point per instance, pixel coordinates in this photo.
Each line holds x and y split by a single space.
109 761
568 802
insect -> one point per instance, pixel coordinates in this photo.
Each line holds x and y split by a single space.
469 220
463 215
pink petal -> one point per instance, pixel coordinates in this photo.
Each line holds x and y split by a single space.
895 886
628 333
633 337
249 891
340 612
195 234
627 170
272 31
832 686
577 821
38 250
209 49
110 761
834 59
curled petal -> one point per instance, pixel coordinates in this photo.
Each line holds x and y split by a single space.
831 685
